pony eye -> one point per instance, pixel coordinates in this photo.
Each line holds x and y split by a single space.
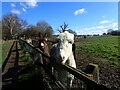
70 42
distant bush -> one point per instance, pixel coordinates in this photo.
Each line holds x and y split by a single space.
113 32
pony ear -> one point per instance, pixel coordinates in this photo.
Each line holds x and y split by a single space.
71 38
61 35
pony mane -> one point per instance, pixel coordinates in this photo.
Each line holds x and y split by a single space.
66 36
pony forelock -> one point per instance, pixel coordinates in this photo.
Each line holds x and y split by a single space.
66 36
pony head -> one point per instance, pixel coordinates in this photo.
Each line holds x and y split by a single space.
65 41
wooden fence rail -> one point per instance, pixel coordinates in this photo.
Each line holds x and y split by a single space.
90 83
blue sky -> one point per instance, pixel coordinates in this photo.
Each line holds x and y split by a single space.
82 17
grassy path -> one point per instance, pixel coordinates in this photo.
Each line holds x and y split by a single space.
12 79
5 49
11 67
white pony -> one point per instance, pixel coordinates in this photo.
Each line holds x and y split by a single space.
62 52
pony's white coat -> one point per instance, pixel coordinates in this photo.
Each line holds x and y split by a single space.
62 52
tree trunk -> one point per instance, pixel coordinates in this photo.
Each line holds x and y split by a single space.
11 31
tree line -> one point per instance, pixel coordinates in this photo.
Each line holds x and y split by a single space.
14 27
112 32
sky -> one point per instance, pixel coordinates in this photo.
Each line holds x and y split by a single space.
82 17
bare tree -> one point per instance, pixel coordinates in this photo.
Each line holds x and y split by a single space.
44 27
30 31
0 29
49 31
63 27
13 24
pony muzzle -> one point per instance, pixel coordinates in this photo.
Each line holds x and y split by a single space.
62 60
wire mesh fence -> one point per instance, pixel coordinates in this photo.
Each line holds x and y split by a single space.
64 77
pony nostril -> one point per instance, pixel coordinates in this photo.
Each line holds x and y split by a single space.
63 58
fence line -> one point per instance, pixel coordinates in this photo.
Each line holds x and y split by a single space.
90 83
29 48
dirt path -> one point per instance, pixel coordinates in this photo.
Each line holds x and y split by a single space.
11 79
11 66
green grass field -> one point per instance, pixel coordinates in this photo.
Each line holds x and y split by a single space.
106 47
5 49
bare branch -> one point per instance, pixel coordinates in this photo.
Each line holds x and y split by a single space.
63 27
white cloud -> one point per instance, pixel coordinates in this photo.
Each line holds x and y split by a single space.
104 30
79 31
28 4
105 21
103 16
24 9
100 27
22 4
113 25
77 28
32 3
115 28
97 27
15 11
97 31
80 11
13 5
89 28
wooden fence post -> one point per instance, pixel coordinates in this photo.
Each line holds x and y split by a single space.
93 71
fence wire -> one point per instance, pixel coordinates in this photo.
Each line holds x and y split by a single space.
77 84
81 80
